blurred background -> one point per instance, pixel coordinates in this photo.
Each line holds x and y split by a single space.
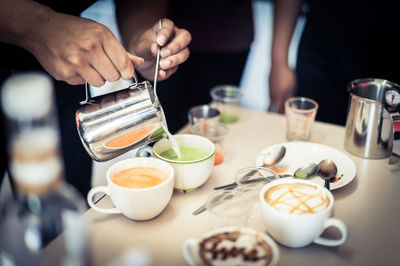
254 80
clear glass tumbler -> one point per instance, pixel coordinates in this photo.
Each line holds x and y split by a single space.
300 115
226 98
251 180
216 132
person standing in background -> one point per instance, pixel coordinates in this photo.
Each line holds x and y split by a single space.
50 36
222 33
341 41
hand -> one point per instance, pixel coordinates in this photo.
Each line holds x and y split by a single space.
174 42
76 50
282 85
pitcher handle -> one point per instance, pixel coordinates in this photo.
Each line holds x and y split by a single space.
87 92
135 78
89 96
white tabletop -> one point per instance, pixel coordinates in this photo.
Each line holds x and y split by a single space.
369 206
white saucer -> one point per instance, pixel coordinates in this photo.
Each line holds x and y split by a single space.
301 153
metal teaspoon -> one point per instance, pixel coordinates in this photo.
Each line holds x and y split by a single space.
327 170
275 157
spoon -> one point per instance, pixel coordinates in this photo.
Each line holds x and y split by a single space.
304 171
270 159
275 156
307 170
327 170
172 140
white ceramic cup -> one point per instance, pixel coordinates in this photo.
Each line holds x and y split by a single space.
189 175
136 203
298 230
191 247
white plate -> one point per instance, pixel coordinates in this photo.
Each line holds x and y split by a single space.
301 153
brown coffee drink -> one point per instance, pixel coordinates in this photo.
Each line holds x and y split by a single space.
139 177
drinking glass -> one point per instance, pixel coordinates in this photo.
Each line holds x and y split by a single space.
229 208
300 115
202 113
226 98
251 180
214 131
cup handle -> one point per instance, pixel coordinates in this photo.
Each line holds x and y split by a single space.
145 151
333 242
187 250
90 195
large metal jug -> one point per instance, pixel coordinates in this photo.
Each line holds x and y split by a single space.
369 126
112 124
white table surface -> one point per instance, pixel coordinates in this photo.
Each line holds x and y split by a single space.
369 206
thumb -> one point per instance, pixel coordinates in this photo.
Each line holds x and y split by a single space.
136 60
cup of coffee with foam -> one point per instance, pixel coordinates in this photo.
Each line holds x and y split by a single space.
140 188
296 212
231 245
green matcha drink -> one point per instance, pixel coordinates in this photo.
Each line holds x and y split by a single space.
187 154
228 118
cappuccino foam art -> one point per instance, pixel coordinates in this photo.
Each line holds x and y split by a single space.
297 198
235 248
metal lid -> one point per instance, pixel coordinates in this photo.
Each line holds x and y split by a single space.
371 88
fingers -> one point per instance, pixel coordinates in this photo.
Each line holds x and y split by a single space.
122 61
166 32
111 63
74 75
92 77
136 60
170 36
101 62
175 51
164 74
179 42
174 60
76 80
280 105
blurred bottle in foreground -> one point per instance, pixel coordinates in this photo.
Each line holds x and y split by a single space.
45 205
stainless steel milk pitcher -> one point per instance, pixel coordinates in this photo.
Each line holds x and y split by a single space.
112 124
369 126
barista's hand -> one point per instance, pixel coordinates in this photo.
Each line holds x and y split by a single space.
76 50
174 51
282 85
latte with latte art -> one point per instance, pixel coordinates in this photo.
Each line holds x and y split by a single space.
297 198
235 248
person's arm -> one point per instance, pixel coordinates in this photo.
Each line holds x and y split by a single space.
70 48
282 79
139 28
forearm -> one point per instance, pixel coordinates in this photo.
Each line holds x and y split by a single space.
285 19
135 17
19 20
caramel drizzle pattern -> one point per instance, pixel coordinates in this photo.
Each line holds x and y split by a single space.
302 199
224 253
